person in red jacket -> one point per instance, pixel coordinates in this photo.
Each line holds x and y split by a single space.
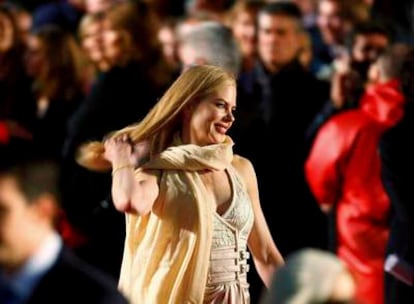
343 172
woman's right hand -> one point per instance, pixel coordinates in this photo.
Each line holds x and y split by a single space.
131 192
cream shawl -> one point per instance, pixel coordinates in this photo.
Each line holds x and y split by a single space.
166 254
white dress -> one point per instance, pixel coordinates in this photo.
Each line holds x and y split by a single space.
227 276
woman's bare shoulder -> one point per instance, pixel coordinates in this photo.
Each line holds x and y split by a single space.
242 165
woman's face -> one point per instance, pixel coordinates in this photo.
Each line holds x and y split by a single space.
168 42
207 121
244 30
330 21
92 41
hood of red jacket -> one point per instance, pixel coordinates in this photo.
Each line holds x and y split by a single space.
384 102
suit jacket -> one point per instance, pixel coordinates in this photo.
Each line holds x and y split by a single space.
278 108
71 280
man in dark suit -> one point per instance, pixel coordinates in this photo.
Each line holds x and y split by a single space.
35 265
276 102
397 156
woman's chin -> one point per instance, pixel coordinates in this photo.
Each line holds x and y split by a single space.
218 139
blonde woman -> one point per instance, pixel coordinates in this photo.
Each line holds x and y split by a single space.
192 207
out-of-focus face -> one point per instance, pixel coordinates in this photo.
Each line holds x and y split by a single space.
209 119
92 41
113 43
35 59
365 51
24 23
244 30
168 41
330 22
367 48
18 223
279 40
6 33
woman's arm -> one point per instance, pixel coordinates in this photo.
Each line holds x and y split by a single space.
266 256
132 191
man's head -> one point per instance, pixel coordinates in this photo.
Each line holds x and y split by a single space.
212 43
336 18
368 40
279 34
28 206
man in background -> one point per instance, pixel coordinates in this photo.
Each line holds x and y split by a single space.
35 265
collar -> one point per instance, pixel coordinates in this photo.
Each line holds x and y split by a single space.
24 280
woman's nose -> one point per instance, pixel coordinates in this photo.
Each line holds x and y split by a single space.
230 116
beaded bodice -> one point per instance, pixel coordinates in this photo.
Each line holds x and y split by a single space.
233 227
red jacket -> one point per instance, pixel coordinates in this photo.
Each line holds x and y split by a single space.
4 133
343 168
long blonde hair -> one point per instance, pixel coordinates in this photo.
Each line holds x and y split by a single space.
165 118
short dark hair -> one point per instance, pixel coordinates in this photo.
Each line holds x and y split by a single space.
284 8
371 27
34 177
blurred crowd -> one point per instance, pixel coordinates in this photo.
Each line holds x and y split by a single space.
319 83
